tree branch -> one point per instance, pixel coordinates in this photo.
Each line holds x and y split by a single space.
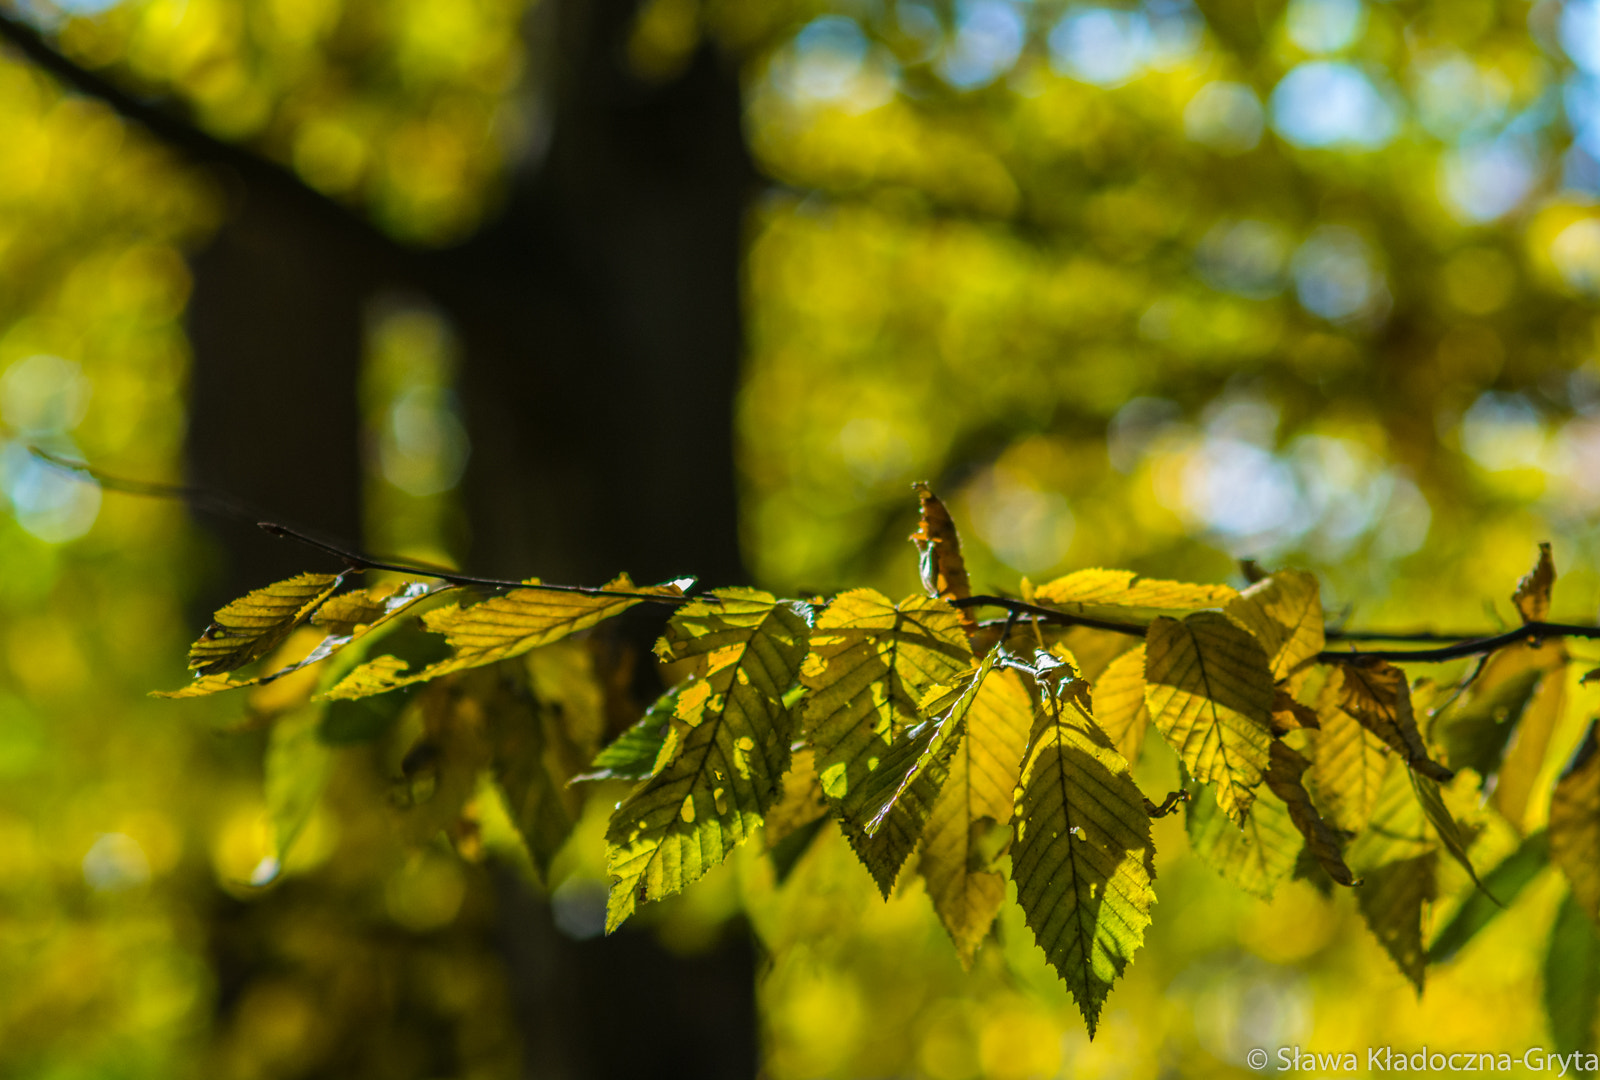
195 145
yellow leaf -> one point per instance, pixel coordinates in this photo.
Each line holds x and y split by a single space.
343 633
501 627
970 821
1377 695
870 664
1575 824
1348 762
1524 757
1284 612
1082 856
734 749
1210 694
253 625
1123 596
802 801
1119 706
1255 857
1533 591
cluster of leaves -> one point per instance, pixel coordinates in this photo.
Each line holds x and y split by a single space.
992 749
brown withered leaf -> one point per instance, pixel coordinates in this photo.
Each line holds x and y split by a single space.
1289 714
944 571
1378 696
1285 779
1533 591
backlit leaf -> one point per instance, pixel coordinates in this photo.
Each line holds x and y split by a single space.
296 771
1444 823
635 753
1210 693
801 801
501 627
1284 612
343 632
1119 706
1575 823
1532 595
1523 762
1284 779
1348 762
532 768
970 824
1377 695
870 664
1255 857
253 625
1123 596
735 745
1475 735
1572 978
1289 715
926 746
1391 899
1082 856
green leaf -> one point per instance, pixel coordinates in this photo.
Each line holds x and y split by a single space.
1255 857
502 627
1479 909
1209 691
1119 706
1348 762
1284 779
1575 823
297 767
531 770
1476 734
1398 828
926 747
1391 899
1082 856
635 753
1377 695
870 664
1455 840
1522 769
1284 612
970 824
732 751
254 625
1572 979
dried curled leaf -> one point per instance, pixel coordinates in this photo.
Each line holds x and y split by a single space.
970 824
1533 590
1210 693
732 749
870 664
1575 823
1082 856
254 625
1284 779
944 572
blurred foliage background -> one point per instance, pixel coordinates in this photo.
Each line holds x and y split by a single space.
1155 285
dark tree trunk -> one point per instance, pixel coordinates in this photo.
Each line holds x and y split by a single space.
601 320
